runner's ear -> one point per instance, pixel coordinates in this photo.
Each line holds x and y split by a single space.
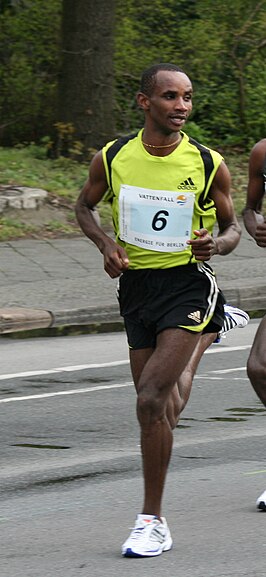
143 101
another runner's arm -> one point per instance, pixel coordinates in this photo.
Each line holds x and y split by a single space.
253 218
205 246
229 228
115 257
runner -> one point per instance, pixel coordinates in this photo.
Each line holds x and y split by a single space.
256 226
166 191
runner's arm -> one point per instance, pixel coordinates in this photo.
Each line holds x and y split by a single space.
115 257
252 215
205 246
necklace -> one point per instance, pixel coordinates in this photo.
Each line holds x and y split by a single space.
162 145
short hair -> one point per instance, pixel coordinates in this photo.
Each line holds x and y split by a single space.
148 78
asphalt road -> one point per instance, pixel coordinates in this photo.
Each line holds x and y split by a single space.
71 480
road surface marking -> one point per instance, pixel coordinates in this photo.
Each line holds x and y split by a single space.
255 472
71 392
62 370
74 368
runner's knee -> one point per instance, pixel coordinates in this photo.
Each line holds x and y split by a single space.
150 406
256 371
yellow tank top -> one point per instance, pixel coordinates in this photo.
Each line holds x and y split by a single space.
132 173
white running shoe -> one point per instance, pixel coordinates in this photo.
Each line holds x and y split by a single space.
233 318
149 538
261 502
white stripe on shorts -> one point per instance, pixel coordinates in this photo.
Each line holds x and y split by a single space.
214 290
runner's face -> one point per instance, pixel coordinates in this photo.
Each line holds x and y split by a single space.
171 101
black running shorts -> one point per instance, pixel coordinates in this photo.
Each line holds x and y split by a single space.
152 300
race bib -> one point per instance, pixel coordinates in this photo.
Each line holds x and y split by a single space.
159 220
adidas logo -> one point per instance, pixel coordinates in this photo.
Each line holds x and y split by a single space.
195 316
187 184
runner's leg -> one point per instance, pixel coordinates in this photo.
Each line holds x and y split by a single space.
181 391
256 365
157 379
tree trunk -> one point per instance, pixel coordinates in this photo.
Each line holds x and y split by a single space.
85 96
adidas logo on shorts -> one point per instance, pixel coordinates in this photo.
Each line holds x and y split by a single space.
195 316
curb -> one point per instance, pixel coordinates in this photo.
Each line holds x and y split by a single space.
17 319
247 298
89 315
107 318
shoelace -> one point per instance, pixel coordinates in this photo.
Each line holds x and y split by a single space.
136 531
154 531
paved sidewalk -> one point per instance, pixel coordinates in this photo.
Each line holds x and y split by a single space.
62 282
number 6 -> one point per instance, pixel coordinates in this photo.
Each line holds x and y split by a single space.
159 222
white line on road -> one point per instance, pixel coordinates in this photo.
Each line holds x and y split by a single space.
223 371
209 378
90 390
61 370
74 368
100 387
71 392
226 349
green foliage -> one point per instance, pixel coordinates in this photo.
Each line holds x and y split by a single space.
221 45
143 37
255 102
65 144
230 48
29 61
197 132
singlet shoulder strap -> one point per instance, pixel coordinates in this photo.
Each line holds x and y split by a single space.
208 167
114 149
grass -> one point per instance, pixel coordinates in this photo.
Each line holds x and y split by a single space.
11 229
63 179
28 166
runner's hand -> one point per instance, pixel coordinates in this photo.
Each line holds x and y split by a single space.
203 246
260 235
115 259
